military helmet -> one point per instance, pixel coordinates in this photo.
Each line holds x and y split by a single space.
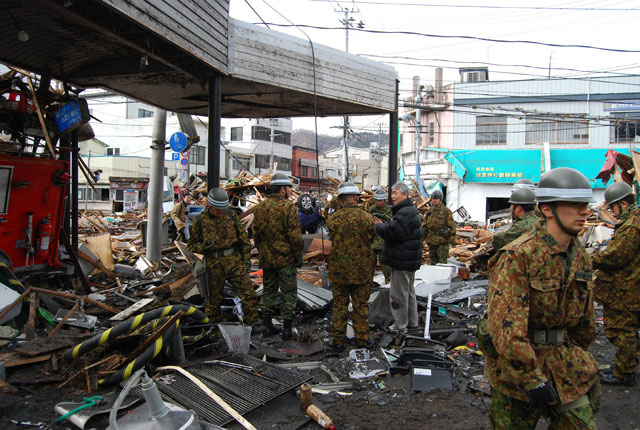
616 192
380 194
564 184
523 196
437 194
218 198
348 188
280 179
523 183
375 188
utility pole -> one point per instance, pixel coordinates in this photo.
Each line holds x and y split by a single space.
379 155
156 180
273 136
348 22
419 139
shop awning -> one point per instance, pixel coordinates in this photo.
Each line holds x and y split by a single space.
308 162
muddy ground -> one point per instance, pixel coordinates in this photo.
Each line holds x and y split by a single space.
383 403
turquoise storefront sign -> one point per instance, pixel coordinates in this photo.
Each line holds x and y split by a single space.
495 166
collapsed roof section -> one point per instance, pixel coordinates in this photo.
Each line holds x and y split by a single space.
163 52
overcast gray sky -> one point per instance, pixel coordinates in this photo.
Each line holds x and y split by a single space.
608 24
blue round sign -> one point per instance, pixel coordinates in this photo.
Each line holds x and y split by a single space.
178 141
184 161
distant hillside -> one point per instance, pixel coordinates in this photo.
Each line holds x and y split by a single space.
307 139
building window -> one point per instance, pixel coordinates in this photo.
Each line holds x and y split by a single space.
283 138
236 133
264 133
196 155
144 113
625 127
432 131
113 151
314 172
239 163
304 170
260 133
539 131
281 163
262 161
491 130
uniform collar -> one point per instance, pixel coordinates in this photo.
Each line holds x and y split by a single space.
547 238
631 210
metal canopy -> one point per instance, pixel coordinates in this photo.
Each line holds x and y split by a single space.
110 44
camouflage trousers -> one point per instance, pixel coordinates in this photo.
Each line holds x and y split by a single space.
359 294
438 254
621 328
284 280
507 413
221 269
386 270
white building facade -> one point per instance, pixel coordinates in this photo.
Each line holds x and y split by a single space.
507 130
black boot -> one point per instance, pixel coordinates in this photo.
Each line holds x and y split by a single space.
269 328
287 334
609 378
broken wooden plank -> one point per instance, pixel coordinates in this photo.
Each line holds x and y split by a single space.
188 255
97 264
64 320
131 309
29 328
47 344
14 359
15 303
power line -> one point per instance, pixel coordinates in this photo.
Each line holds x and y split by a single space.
443 5
399 57
442 36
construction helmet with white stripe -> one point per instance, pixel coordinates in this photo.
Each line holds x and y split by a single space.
564 184
348 188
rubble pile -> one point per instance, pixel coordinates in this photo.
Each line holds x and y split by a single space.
124 313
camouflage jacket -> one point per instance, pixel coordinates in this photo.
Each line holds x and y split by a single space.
384 214
277 232
179 215
618 276
351 257
438 225
535 285
520 226
224 232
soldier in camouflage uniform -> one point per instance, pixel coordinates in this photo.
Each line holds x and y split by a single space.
217 233
541 317
381 210
618 284
278 236
522 203
439 229
349 268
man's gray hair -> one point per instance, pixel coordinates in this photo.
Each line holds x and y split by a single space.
401 186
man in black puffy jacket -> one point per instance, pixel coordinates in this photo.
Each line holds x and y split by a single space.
403 253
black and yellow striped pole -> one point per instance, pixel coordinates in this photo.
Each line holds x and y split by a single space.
131 325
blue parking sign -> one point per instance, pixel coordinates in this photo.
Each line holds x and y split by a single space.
175 156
